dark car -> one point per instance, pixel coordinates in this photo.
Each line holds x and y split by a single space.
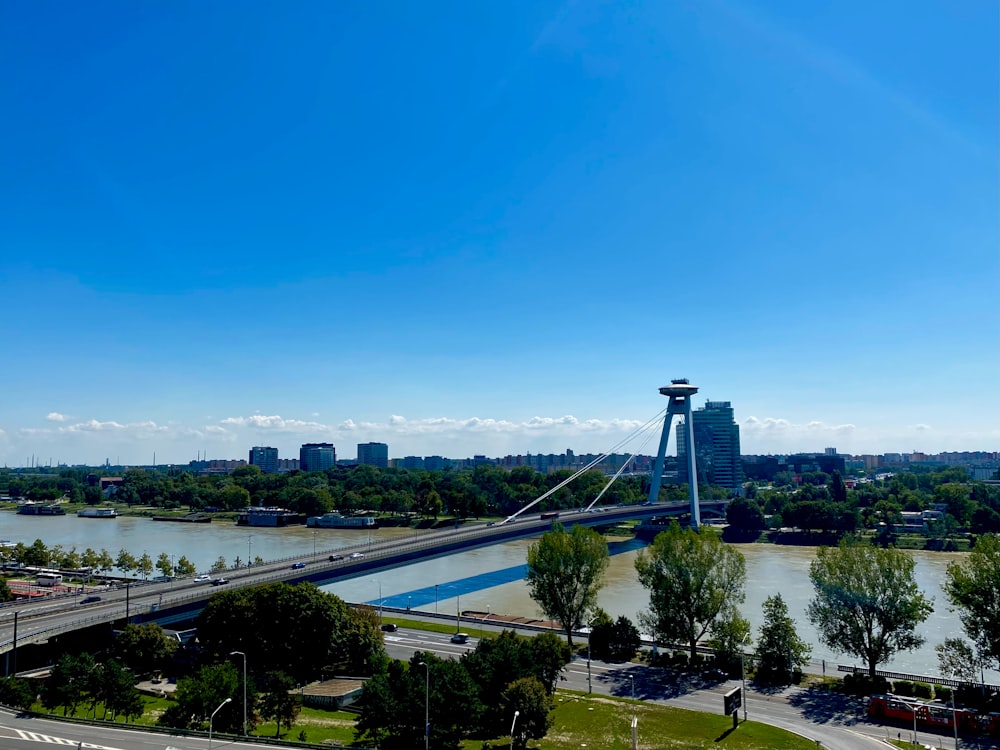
715 675
390 627
219 581
334 558
90 599
298 566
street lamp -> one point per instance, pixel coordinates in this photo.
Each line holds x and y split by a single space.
249 546
743 675
427 705
234 653
212 718
590 687
314 545
512 724
631 679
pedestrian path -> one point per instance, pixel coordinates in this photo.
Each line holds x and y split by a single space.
429 595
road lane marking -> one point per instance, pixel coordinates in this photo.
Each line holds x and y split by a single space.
48 739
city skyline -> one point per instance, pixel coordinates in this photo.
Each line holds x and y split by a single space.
501 227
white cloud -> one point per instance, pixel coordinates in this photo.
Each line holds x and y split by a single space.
54 416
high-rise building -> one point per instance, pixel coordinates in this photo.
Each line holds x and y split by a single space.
716 446
317 456
265 457
374 454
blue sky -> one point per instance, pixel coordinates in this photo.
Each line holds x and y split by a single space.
495 228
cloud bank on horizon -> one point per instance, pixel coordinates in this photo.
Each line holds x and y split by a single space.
93 441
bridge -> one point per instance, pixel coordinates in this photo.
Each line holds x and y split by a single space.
181 599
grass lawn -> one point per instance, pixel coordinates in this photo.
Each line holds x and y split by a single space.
601 722
579 721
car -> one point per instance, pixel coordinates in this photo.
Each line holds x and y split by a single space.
202 578
460 638
90 599
298 566
219 581
334 558
390 627
356 555
715 675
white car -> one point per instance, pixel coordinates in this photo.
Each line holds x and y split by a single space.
356 555
203 578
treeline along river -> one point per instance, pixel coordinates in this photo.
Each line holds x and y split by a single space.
489 579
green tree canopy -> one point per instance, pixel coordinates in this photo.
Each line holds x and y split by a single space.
527 697
973 588
693 577
144 649
564 574
867 602
297 629
780 651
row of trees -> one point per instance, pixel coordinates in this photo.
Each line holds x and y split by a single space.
475 696
39 555
866 600
475 492
826 504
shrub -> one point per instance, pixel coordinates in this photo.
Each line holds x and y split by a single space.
942 693
922 690
903 687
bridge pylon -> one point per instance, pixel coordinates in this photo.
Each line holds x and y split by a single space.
679 392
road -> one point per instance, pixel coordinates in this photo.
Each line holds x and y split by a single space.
833 721
836 725
16 733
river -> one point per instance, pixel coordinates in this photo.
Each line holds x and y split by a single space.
488 579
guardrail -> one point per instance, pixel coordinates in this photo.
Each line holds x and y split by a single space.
947 681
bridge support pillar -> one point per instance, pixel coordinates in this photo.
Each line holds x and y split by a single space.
679 392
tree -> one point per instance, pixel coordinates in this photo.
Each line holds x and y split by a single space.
744 514
730 632
527 696
278 703
125 562
185 567
6 594
115 687
17 692
164 564
145 565
198 696
780 651
144 649
219 565
66 687
564 574
693 577
959 660
867 603
971 587
298 630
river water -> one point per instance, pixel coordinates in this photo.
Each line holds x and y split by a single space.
489 579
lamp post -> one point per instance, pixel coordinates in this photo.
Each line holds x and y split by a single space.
435 598
249 547
234 653
212 718
590 687
631 679
427 705
743 676
314 545
512 725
